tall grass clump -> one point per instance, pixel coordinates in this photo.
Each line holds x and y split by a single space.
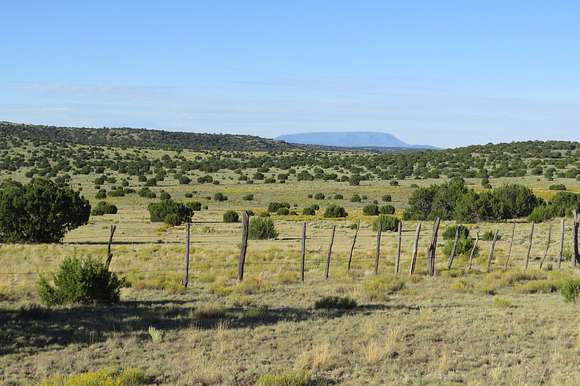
570 290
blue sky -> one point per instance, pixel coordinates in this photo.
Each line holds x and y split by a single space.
445 73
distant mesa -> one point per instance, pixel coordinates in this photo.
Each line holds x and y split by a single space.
367 139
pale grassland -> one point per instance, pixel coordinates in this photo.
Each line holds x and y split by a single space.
502 328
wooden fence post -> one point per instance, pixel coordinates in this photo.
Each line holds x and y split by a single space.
453 249
509 255
472 253
329 252
399 241
244 247
352 246
110 246
491 248
530 241
432 251
185 279
561 254
302 251
547 246
378 250
415 247
575 254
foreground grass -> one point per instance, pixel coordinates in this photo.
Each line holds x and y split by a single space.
443 330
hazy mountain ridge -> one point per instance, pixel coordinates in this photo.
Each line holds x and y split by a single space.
365 139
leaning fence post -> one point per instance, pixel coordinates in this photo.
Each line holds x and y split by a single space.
575 254
415 247
399 241
329 252
509 255
491 248
431 253
378 250
244 247
561 254
547 246
352 246
185 279
110 246
472 253
530 241
453 249
302 251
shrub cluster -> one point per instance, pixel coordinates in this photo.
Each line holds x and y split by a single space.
169 211
561 205
386 223
262 228
230 216
454 201
274 206
335 211
102 208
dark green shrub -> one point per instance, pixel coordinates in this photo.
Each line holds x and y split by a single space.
463 247
335 211
163 195
283 211
83 281
309 211
387 209
335 303
219 197
101 194
319 196
231 216
274 206
103 208
188 195
262 228
117 193
488 236
170 212
338 196
371 210
386 198
248 197
355 198
147 193
40 211
557 187
184 180
195 206
386 223
449 233
541 213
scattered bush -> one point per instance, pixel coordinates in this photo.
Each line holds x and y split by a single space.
449 233
371 210
386 223
230 216
101 194
171 212
386 198
40 211
283 211
557 187
103 208
274 206
355 198
335 302
335 211
194 206
338 197
319 196
387 209
220 197
309 211
248 197
147 193
84 281
262 228
163 195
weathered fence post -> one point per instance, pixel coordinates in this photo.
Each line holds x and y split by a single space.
244 247
547 246
185 279
575 254
530 241
472 253
415 247
453 249
302 251
399 241
509 255
110 246
352 246
491 248
561 254
432 251
329 252
378 250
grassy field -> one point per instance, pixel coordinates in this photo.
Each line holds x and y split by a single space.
506 327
